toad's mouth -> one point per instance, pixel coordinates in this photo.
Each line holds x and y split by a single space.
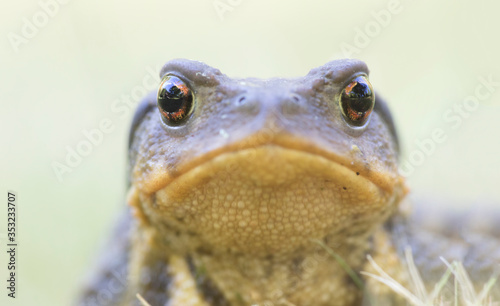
271 166
275 162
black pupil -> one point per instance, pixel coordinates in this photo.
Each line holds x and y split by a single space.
171 98
360 97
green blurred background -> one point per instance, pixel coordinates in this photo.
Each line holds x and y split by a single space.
425 57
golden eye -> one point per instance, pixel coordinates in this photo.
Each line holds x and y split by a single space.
175 100
357 101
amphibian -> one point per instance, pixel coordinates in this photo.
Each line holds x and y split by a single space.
261 192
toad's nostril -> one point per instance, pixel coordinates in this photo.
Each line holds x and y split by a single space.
248 104
292 105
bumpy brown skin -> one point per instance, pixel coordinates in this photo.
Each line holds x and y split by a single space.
228 207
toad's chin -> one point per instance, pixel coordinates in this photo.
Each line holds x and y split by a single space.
269 199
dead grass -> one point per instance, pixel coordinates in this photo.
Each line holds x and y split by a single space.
142 300
464 292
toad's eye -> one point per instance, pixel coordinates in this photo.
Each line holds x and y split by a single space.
357 101
175 100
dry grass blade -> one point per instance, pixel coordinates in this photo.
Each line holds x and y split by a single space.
417 281
483 295
142 300
391 283
420 297
465 289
